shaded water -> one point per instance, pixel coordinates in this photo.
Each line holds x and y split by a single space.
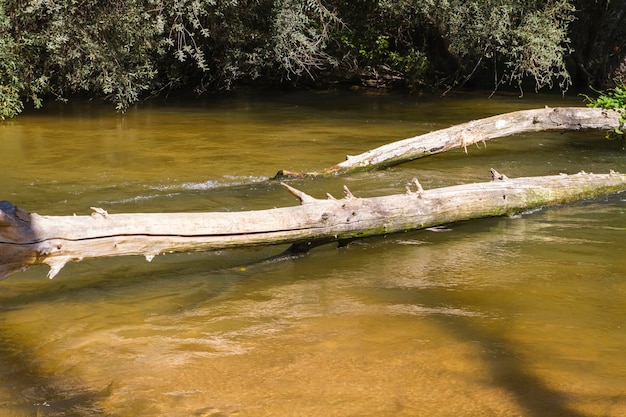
508 316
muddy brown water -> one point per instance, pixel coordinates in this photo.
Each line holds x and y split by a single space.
522 316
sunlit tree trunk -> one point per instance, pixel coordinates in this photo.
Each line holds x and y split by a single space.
29 239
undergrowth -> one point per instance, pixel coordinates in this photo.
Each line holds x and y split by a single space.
612 99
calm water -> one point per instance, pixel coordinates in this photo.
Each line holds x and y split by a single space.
516 316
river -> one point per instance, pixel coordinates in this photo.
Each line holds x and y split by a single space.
520 316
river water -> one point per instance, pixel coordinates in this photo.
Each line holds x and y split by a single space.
521 316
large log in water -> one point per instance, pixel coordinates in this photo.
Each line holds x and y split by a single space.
473 132
28 239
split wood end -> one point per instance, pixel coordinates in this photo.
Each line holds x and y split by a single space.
56 264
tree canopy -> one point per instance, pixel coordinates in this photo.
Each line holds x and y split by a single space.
126 50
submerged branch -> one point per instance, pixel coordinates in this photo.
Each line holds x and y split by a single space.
465 134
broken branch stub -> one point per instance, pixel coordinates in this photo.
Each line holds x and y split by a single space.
30 239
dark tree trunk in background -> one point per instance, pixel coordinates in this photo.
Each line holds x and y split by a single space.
599 41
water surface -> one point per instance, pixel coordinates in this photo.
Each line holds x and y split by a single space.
499 317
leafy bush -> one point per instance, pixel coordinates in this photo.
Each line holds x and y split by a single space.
515 39
301 30
60 48
381 43
10 103
11 82
125 50
612 99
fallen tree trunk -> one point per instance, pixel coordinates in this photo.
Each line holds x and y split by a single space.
465 134
29 239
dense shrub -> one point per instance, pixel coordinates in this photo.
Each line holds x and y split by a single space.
125 50
613 99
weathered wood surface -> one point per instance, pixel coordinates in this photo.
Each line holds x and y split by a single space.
29 239
466 134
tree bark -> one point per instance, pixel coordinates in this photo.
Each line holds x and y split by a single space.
29 239
465 134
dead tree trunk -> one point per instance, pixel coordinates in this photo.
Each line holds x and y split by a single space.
465 134
29 239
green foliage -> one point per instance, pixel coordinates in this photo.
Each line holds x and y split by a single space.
517 39
11 84
301 30
102 48
125 50
457 40
415 67
210 44
10 103
218 43
59 48
377 42
612 99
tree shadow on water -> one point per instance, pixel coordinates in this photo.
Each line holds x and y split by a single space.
505 365
25 389
507 371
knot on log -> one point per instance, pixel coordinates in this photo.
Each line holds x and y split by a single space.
564 117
